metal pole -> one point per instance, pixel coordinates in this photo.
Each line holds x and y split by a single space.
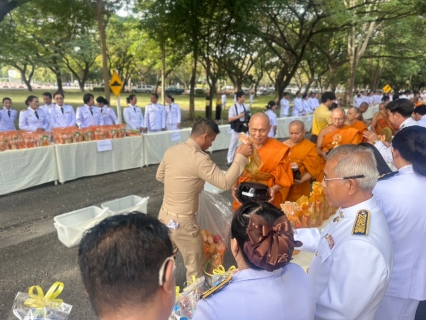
119 110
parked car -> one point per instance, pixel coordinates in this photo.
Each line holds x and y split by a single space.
262 92
174 90
143 89
246 91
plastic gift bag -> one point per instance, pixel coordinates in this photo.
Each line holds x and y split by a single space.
254 161
88 134
121 130
34 305
187 300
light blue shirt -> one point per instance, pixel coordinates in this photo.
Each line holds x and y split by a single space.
7 123
133 117
400 198
297 107
284 294
28 120
108 116
62 117
88 116
47 110
155 117
422 121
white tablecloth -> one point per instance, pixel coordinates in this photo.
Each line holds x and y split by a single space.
83 159
370 112
21 169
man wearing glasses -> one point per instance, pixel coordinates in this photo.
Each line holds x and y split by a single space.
127 267
353 259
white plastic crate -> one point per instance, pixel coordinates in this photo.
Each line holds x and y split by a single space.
126 205
71 226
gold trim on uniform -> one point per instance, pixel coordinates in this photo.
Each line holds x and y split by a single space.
216 288
362 223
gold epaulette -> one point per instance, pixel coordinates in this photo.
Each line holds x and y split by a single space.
362 223
216 288
387 175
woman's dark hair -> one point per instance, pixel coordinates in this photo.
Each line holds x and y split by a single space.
333 106
241 219
304 96
29 99
411 145
60 93
6 98
102 100
382 166
130 98
87 97
170 97
270 105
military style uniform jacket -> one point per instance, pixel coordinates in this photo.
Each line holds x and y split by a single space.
108 116
7 122
352 264
62 117
155 117
133 117
88 116
28 120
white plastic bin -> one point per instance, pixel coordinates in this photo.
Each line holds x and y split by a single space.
126 205
71 226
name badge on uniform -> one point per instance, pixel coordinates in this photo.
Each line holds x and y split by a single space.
324 249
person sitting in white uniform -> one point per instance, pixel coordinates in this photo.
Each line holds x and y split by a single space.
270 112
133 114
298 109
8 116
61 115
88 114
400 198
420 115
155 115
285 105
353 259
108 114
173 115
267 285
33 119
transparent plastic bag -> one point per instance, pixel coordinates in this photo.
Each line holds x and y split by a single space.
254 161
187 301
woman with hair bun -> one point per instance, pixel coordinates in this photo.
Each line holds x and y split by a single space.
400 198
267 286
133 114
33 119
270 112
108 114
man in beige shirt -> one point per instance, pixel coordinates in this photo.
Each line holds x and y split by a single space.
184 170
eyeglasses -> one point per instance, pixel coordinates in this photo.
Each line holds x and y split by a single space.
344 178
161 272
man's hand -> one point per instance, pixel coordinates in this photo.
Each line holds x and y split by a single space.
306 177
371 136
234 189
40 130
322 154
272 192
141 129
242 114
164 129
178 125
245 149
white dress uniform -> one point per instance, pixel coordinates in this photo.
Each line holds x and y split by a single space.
386 151
297 107
31 120
7 119
133 117
251 100
62 117
312 104
47 108
284 294
306 106
155 117
349 272
234 111
272 121
284 108
422 121
398 197
173 116
224 101
108 116
88 116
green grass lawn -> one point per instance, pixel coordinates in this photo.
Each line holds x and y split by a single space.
75 98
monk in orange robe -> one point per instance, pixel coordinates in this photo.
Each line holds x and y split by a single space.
303 153
275 171
335 135
352 120
381 124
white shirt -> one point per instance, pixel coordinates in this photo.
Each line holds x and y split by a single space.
422 121
7 122
251 99
400 200
108 116
47 109
155 117
223 100
298 108
306 106
284 107
87 116
272 121
173 114
349 277
28 120
133 117
59 119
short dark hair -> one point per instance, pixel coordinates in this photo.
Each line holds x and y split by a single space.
47 94
87 97
411 145
60 93
297 93
304 96
382 166
328 96
170 97
101 99
239 94
120 259
204 126
385 98
402 106
6 98
270 104
29 99
155 95
130 98
421 110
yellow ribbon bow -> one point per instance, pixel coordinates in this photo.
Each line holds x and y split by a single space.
40 301
221 270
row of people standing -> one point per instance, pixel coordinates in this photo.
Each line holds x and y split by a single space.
302 104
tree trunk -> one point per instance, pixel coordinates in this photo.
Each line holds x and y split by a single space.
192 82
102 35
163 73
24 77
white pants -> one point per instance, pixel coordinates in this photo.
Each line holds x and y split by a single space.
232 146
171 127
394 308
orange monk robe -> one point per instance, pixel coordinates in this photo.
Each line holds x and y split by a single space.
275 169
305 155
361 127
346 135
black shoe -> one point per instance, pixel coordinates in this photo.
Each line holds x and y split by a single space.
229 164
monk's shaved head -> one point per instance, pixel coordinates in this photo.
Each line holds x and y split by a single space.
354 109
259 127
260 116
337 112
338 117
297 123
